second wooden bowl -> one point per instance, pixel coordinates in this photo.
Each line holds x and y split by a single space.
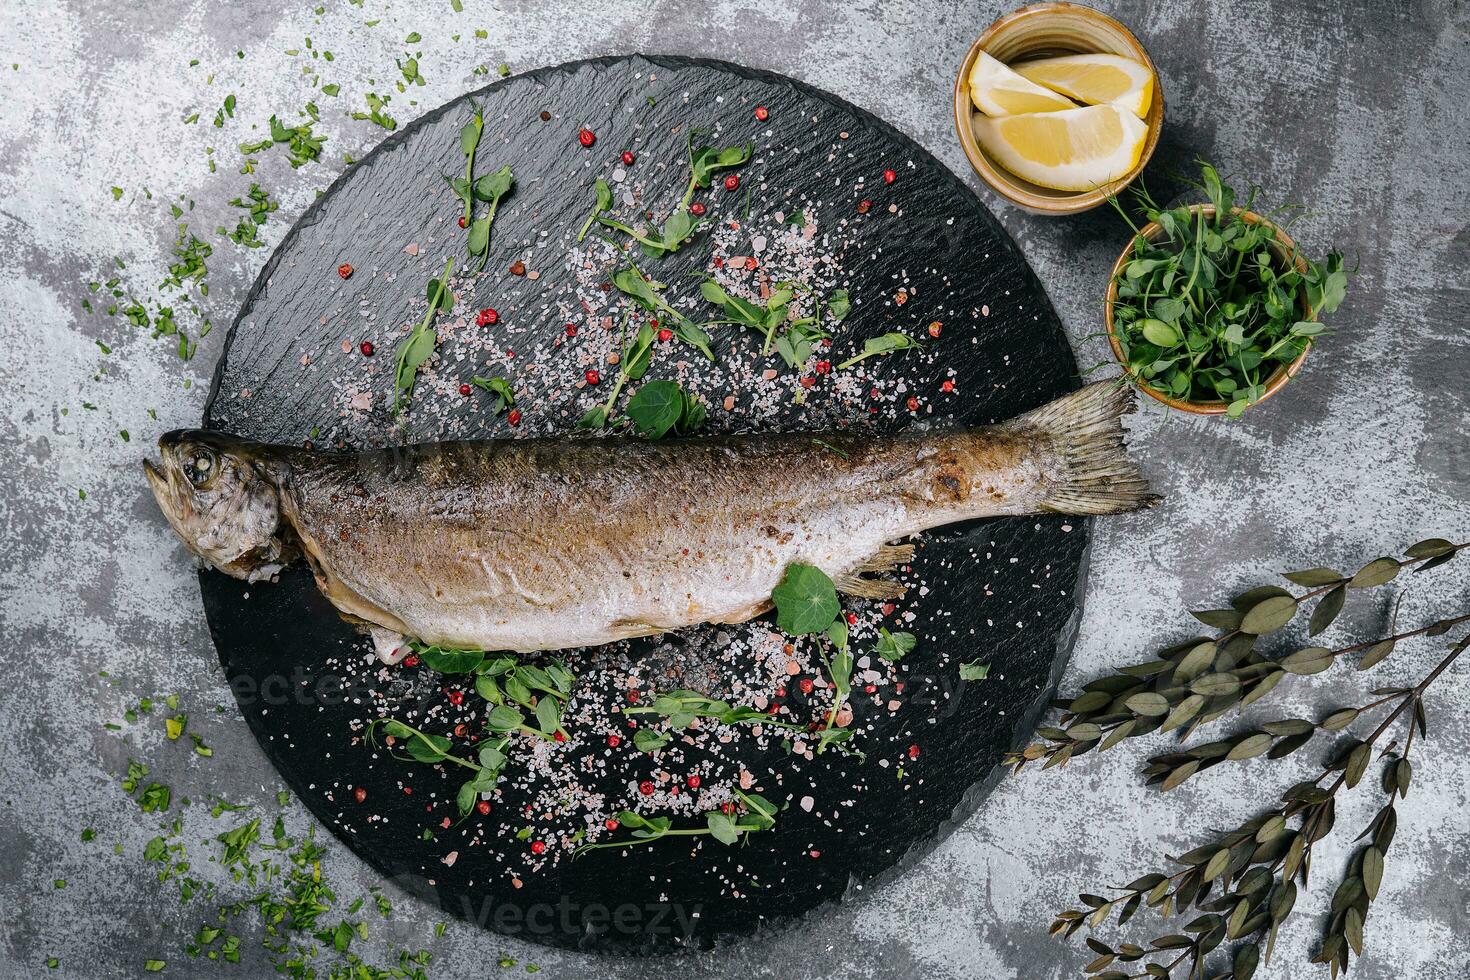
1284 250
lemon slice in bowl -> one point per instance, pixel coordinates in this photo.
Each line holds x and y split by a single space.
1095 79
998 91
1071 150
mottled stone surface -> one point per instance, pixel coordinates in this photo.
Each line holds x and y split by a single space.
1353 109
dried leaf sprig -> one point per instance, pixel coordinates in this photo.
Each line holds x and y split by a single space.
1245 883
1196 682
1238 888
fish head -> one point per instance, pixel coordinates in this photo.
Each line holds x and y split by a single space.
219 496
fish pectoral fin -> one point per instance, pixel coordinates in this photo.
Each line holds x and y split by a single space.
886 559
389 645
869 588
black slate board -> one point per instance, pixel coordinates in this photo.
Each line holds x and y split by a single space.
1007 591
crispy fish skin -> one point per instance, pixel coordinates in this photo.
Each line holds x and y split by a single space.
545 544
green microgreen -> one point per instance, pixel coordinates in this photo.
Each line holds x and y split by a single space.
632 283
681 225
758 814
490 188
705 161
420 746
1215 304
636 355
604 203
469 141
886 344
508 686
681 708
795 344
839 671
419 345
500 388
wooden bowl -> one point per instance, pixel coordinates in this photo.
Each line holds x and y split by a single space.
1283 249
1046 30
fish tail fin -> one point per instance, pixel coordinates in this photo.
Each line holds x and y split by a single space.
1096 475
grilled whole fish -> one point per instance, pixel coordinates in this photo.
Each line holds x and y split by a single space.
544 544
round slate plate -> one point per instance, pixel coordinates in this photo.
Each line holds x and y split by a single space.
1006 591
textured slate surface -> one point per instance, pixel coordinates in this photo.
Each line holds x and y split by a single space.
1003 591
1352 108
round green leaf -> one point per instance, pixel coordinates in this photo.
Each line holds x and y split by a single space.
806 600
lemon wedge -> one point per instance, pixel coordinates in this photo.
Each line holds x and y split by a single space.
1072 150
1095 79
998 91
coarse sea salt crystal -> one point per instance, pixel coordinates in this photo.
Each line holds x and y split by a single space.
807 803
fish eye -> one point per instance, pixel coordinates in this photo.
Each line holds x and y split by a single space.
201 467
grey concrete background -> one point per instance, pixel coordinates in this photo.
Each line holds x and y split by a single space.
1356 109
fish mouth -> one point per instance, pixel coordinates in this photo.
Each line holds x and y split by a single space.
162 485
157 481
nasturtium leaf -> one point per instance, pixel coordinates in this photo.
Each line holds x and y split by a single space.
806 600
656 407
